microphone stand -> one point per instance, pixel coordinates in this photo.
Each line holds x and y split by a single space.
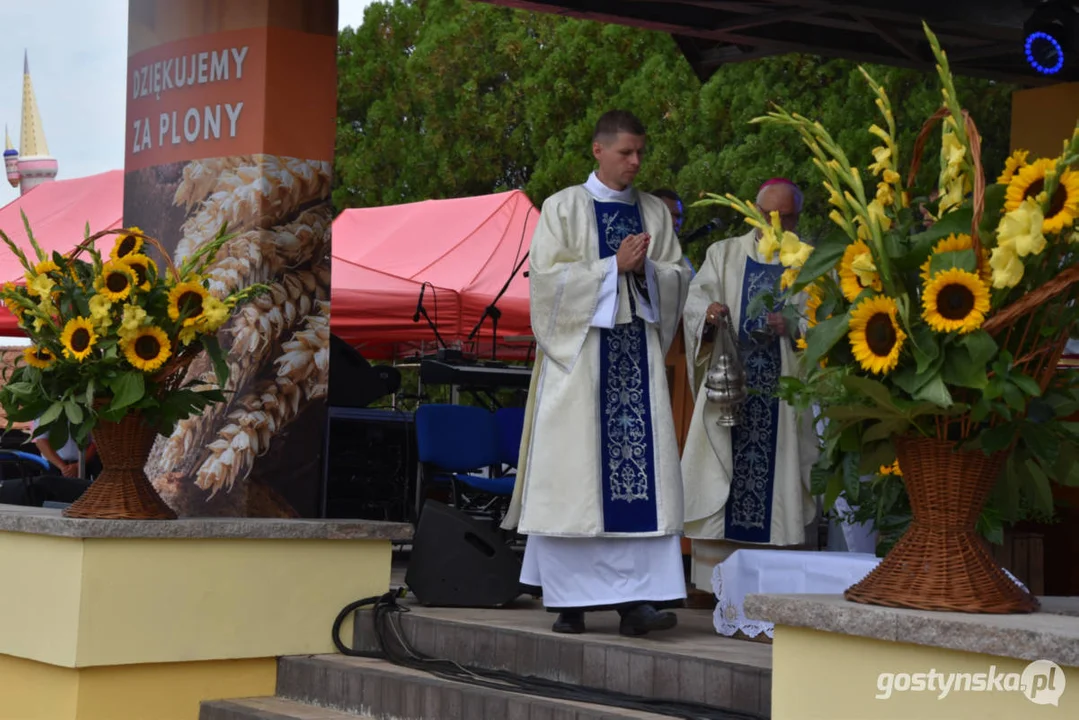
434 328
494 313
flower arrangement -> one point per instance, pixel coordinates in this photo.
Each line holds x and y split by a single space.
942 316
112 334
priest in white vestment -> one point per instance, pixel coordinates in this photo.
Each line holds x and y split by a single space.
748 485
599 488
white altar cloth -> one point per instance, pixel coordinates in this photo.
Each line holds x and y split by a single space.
780 572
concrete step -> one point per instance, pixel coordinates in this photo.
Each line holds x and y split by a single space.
270 709
690 663
385 691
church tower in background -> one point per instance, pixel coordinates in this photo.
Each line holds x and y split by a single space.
31 164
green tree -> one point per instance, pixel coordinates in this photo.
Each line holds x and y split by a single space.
451 98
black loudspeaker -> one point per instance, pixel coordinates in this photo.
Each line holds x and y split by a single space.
457 562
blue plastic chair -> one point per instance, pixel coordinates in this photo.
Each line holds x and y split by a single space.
21 455
454 442
509 425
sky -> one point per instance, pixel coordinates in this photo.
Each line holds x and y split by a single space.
78 63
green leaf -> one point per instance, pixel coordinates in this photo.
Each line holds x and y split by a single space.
856 413
997 438
835 487
73 411
981 346
885 429
217 357
1041 444
127 390
876 454
825 256
910 380
925 346
852 480
1014 397
936 392
52 413
961 370
953 223
1026 383
822 338
871 389
1042 490
962 259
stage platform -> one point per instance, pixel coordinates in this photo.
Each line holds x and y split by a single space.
690 663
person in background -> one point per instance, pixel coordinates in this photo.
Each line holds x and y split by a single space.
746 485
66 458
599 490
678 216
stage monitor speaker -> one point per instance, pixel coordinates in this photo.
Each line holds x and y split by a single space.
457 562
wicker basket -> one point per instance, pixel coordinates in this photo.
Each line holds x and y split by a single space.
942 563
122 491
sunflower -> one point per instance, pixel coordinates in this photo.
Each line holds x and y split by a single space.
788 277
116 281
147 349
955 301
875 337
857 271
956 243
187 299
40 357
1029 182
45 267
1012 165
78 338
127 243
141 266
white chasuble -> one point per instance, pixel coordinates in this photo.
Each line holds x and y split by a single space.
599 457
749 483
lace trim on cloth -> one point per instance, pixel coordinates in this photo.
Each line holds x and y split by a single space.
729 617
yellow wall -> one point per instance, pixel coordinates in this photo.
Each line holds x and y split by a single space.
167 600
81 603
172 691
40 577
1043 118
826 676
36 691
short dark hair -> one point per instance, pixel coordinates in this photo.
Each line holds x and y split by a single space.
667 193
613 122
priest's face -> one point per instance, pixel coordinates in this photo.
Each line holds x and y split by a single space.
781 199
619 159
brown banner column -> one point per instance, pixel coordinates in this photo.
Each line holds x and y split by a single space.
230 120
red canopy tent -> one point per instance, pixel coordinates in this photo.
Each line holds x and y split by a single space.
466 249
58 213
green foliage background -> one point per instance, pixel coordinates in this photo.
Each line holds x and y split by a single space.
453 98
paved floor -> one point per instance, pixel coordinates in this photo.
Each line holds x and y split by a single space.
695 635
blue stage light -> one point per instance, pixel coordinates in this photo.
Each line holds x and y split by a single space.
1044 53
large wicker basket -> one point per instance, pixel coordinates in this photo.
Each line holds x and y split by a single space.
122 491
941 562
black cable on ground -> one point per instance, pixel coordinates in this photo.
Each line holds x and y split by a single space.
396 649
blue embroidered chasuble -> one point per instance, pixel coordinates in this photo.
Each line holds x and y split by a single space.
627 452
748 515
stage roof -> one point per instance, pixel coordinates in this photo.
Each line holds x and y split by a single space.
983 38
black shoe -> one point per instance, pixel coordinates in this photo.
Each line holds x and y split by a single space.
643 619
569 623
